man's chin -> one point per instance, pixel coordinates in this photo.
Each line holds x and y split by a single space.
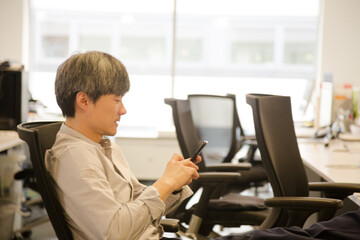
111 133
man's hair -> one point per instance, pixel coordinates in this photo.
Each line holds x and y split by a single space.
94 73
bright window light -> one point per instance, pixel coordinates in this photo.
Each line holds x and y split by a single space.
221 46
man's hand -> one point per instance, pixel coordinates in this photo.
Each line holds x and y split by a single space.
178 173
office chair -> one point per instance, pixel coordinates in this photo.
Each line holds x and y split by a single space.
231 210
277 142
40 136
216 119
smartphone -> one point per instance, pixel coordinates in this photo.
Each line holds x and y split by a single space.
197 152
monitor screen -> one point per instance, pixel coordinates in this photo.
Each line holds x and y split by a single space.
326 101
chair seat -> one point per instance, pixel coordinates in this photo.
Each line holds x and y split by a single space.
234 201
232 210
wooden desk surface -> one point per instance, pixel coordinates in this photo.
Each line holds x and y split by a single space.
339 162
9 139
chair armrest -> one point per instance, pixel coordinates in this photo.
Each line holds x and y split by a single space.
229 167
303 202
335 190
300 208
217 177
170 224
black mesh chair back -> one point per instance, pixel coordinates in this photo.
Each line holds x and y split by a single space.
277 142
215 119
40 136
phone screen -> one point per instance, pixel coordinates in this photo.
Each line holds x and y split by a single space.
197 152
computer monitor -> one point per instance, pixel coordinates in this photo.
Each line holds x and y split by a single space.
13 98
326 102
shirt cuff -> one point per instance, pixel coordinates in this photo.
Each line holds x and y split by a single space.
151 198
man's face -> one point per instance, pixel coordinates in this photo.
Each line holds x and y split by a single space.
105 113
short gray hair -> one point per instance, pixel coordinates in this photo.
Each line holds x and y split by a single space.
95 73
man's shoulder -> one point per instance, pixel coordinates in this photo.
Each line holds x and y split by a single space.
71 151
67 142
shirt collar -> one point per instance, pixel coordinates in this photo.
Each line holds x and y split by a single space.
72 132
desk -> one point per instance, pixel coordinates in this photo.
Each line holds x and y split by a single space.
339 162
8 140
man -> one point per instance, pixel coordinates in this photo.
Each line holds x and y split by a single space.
101 197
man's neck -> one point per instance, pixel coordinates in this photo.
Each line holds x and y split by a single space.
83 129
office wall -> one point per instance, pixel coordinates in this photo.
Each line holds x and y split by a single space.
338 49
340 43
13 27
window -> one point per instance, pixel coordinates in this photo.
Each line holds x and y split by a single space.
299 47
252 53
189 49
143 48
229 46
95 36
55 40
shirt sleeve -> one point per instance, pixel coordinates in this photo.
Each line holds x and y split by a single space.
173 200
89 200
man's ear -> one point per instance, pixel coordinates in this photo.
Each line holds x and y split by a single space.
82 100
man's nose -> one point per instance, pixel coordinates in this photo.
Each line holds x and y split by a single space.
122 110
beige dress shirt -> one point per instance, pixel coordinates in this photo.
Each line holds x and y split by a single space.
101 196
